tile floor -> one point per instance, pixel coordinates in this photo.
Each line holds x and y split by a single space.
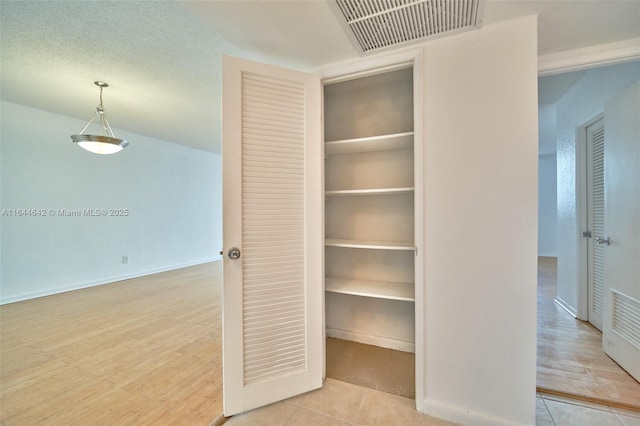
554 410
340 403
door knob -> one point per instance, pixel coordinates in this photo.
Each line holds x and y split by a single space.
605 241
234 253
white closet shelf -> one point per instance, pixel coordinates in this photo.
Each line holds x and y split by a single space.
375 191
371 245
377 289
370 144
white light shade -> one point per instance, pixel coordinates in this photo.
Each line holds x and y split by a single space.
99 144
100 147
103 141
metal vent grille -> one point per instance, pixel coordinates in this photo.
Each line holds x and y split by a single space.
626 317
380 24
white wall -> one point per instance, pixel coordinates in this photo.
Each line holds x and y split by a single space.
481 177
172 194
547 206
582 102
547 129
547 185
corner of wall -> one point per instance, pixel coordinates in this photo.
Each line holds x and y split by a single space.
161 204
13 298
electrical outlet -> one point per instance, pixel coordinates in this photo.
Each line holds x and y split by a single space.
125 260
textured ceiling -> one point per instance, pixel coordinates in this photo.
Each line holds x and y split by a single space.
162 58
303 33
162 65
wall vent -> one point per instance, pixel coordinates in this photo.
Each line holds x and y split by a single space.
625 314
374 25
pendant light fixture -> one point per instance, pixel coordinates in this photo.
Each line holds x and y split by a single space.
105 142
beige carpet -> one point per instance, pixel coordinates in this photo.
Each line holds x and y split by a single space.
371 366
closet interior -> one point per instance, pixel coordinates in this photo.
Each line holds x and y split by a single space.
369 212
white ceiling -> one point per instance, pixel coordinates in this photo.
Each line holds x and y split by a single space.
162 58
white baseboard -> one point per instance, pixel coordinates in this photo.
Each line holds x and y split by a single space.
547 254
368 339
106 280
567 307
465 417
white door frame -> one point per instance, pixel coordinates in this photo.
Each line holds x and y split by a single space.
363 67
581 213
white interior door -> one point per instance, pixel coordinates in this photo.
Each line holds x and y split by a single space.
595 221
621 325
273 345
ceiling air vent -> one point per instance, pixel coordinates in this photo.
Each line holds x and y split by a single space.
374 25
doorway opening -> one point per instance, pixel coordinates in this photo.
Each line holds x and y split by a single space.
571 360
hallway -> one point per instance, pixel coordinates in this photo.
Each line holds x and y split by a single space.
570 357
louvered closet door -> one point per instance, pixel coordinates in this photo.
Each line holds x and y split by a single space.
621 326
595 219
272 198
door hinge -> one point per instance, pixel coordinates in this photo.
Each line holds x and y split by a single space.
586 234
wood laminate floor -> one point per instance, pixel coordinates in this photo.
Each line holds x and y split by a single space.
571 361
141 351
148 351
